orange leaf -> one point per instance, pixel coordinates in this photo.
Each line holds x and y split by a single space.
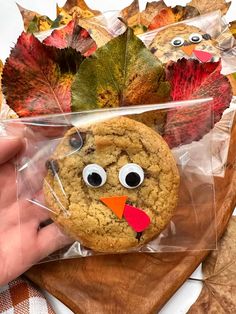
172 15
151 10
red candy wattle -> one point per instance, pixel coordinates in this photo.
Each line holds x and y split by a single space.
136 218
203 56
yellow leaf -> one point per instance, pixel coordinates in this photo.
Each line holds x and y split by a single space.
75 9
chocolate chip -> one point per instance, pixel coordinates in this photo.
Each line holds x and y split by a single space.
90 150
206 36
77 140
138 236
53 166
153 50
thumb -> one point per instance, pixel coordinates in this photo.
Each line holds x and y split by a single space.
9 147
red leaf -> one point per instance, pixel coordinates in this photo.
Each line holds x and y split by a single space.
37 79
193 80
72 36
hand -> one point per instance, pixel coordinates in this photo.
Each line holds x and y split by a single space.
22 242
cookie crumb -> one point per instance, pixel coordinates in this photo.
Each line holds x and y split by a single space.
53 166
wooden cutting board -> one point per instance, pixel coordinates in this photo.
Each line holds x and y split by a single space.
133 283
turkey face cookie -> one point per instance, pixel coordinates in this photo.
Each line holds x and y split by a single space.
112 186
184 41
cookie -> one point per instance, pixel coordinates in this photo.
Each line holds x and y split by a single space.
184 41
113 186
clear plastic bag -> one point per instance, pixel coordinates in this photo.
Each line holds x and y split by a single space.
187 225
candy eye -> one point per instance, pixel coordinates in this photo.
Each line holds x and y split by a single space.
195 38
131 176
94 176
177 42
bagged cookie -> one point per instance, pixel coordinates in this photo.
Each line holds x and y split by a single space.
113 184
116 182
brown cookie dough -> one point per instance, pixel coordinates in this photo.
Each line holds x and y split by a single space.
112 146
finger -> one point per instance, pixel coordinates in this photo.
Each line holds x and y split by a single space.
8 191
34 209
9 147
51 239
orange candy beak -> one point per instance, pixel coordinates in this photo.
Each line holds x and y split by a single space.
135 217
116 204
188 50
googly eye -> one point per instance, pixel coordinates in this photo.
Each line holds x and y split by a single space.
94 176
195 38
131 176
177 42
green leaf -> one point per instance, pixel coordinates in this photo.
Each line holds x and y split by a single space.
121 73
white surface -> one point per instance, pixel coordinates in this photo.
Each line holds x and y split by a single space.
10 28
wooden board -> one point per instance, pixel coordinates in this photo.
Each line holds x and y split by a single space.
133 283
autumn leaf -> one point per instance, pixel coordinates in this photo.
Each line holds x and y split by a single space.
190 79
131 14
34 22
140 21
219 285
152 9
73 9
131 17
204 6
232 79
96 30
172 15
27 16
70 5
72 36
122 73
232 28
37 79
